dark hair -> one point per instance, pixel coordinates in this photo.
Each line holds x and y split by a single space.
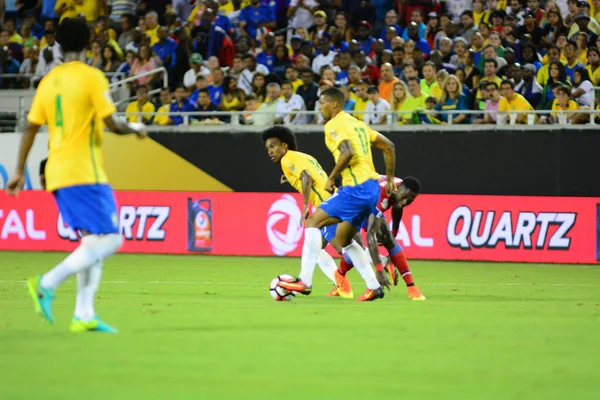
564 90
305 70
227 83
335 95
595 50
508 82
400 49
412 184
429 63
562 74
73 35
143 87
181 86
414 78
488 84
203 90
282 133
553 47
490 60
467 12
585 76
286 82
372 89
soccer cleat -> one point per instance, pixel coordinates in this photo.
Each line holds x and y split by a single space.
392 272
296 286
42 298
415 294
371 295
343 286
334 292
95 325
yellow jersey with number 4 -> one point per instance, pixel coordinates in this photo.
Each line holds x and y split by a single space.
345 127
292 165
73 100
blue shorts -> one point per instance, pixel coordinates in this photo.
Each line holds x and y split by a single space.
328 232
377 214
353 203
90 208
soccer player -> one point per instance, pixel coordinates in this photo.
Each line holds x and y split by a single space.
404 193
306 175
74 101
350 141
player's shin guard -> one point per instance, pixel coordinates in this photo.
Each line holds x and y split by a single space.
399 259
327 265
362 264
93 249
310 254
88 282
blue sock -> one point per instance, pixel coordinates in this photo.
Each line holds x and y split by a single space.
397 249
347 258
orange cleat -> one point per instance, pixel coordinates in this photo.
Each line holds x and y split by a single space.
415 294
296 286
343 286
371 295
392 272
334 292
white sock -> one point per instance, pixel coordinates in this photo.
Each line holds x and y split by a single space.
310 254
86 292
368 253
93 248
327 265
361 262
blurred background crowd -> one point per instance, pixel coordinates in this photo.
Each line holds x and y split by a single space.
275 57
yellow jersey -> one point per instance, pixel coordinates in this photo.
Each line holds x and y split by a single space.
294 163
296 84
73 100
226 9
71 10
162 119
133 108
361 105
345 127
518 103
571 106
594 75
153 34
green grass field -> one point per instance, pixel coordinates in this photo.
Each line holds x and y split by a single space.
201 327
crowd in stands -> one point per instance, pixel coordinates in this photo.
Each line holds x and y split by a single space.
271 59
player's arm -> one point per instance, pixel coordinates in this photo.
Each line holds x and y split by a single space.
389 156
396 218
346 154
125 128
306 188
373 246
15 184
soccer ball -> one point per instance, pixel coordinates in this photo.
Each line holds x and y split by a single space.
278 293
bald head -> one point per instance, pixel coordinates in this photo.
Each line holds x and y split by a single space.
387 72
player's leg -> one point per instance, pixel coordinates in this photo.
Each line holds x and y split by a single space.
310 251
345 234
398 259
344 289
90 208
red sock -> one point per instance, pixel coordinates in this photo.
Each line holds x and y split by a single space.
400 262
344 267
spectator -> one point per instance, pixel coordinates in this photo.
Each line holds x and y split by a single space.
15 50
362 100
583 23
582 88
554 26
417 18
399 95
512 101
316 32
349 103
538 13
300 13
204 104
102 27
391 21
96 59
250 109
446 49
308 91
68 8
581 47
8 65
429 85
140 105
196 68
267 56
469 27
491 105
472 73
250 69
529 55
136 42
201 83
144 63
452 99
165 107
165 47
558 77
267 111
515 10
388 80
233 98
341 23
412 32
377 108
593 65
364 38
369 72
563 102
489 69
124 69
255 17
414 103
460 53
119 10
215 89
110 62
289 105
572 63
259 87
291 74
303 62
326 56
532 28
220 20
152 26
27 38
46 62
529 88
553 54
28 66
181 104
